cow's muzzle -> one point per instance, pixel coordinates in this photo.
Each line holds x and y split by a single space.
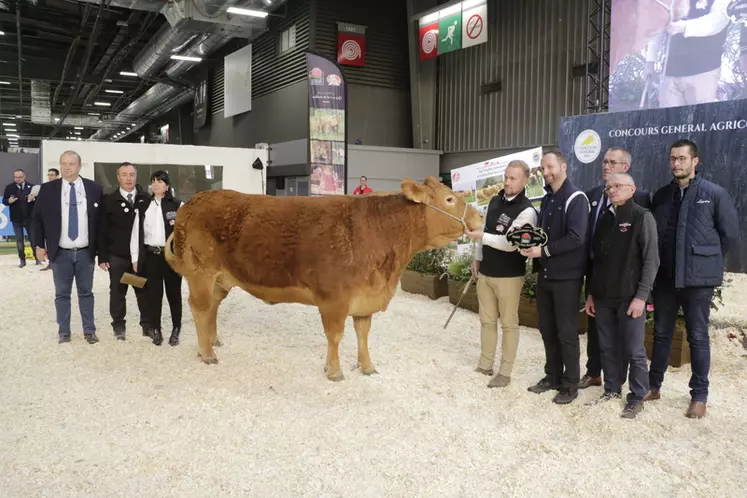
461 220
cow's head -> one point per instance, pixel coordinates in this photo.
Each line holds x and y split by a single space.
444 221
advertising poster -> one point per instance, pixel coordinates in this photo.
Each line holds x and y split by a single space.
719 129
480 182
327 127
670 53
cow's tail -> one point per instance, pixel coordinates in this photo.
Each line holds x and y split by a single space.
168 253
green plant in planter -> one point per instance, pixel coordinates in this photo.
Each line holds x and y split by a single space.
431 261
530 282
459 268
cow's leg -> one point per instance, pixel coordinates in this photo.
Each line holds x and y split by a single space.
362 328
201 302
219 294
334 326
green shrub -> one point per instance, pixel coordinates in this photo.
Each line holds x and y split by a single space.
459 268
431 261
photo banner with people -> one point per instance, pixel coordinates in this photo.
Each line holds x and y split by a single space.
718 129
478 183
669 53
327 126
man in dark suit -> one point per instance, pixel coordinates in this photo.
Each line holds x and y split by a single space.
18 198
115 230
616 160
66 221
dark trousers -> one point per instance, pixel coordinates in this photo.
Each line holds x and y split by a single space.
696 305
18 227
160 275
118 293
593 354
558 304
621 343
66 267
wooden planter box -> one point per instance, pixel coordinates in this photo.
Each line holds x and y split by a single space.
424 283
469 302
680 354
528 316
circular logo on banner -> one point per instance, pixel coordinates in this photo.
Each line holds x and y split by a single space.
588 146
351 50
430 41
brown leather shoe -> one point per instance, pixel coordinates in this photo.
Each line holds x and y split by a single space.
697 410
589 381
652 396
499 381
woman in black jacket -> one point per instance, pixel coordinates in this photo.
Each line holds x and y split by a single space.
153 225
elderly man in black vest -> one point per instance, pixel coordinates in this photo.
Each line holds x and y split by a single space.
616 160
626 261
501 269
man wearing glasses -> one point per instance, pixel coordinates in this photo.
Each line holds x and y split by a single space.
697 225
626 260
616 160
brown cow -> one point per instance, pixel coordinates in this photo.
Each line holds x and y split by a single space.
342 254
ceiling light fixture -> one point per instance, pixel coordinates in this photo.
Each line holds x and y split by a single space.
127 73
103 104
114 91
9 124
4 82
184 58
246 12
2 33
78 127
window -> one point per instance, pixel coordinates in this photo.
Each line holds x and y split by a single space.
186 180
288 39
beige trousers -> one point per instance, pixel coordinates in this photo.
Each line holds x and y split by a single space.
689 90
499 298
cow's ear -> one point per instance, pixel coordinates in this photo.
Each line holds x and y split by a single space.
413 190
432 181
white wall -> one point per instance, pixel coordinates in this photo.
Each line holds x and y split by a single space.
385 167
238 173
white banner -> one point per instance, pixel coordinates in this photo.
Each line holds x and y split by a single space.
474 22
237 82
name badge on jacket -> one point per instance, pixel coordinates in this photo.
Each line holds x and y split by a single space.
171 216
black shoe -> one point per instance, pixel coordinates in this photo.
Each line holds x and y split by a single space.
119 333
607 396
632 409
543 386
22 264
63 339
565 397
174 339
157 337
92 339
146 331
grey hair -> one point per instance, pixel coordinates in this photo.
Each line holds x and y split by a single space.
628 178
626 155
71 152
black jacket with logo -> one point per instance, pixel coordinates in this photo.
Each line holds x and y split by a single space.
500 215
626 253
169 207
115 228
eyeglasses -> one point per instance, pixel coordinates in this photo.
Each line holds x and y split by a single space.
681 159
616 186
612 163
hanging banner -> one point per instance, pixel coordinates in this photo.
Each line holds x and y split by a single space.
327 126
474 22
719 130
351 44
199 110
237 82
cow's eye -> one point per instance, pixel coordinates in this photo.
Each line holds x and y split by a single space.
450 200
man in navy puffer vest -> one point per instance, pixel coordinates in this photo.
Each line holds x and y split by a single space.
697 224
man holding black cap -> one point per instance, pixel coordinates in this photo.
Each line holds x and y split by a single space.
117 218
626 260
561 263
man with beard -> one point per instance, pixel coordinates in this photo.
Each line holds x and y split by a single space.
501 269
561 263
697 225
616 160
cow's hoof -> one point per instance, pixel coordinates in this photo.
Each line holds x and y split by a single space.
336 378
210 361
370 371
217 344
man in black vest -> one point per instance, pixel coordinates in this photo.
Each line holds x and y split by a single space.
626 259
501 272
561 263
692 66
117 218
616 160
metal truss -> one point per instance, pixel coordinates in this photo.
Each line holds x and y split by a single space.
597 56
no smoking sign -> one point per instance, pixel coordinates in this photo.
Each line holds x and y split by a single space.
474 26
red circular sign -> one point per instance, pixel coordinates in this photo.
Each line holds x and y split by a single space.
474 26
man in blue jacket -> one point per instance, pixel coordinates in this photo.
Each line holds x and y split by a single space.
697 224
561 264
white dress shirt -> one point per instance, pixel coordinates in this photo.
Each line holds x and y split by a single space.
80 194
154 230
125 193
499 241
